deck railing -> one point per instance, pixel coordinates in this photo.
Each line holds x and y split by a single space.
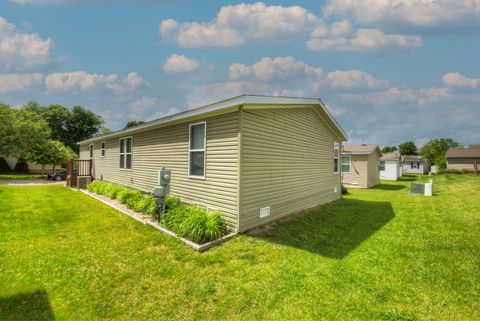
76 168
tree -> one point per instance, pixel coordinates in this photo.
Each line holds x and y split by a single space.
52 152
436 149
408 148
133 123
389 149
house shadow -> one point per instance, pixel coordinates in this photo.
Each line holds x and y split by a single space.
26 306
333 230
389 187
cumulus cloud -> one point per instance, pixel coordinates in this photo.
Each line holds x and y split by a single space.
237 24
456 79
341 36
180 64
23 51
19 82
408 14
83 81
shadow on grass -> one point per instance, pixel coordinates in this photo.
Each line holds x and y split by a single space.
26 306
333 230
389 187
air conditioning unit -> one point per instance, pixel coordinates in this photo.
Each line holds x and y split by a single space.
83 181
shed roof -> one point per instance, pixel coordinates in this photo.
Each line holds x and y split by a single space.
391 156
471 151
267 101
413 158
363 149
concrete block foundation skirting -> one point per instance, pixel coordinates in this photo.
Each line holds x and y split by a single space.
145 219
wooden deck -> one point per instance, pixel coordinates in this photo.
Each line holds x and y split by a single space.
78 168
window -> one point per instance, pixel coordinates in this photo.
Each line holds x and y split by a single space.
125 161
335 156
415 165
381 166
103 149
196 157
90 151
346 164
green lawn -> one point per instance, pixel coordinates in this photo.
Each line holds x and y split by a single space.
377 254
15 176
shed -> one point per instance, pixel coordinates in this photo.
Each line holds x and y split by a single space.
414 164
253 158
465 158
360 165
389 167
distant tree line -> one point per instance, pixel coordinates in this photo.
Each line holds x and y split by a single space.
45 135
434 150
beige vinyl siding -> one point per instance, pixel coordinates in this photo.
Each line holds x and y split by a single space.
286 163
168 146
463 163
373 172
358 176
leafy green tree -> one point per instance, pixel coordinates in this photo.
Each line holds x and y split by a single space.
389 149
52 152
133 123
436 149
408 148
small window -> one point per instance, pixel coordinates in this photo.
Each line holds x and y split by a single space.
90 151
415 165
336 150
381 166
125 160
103 149
346 164
197 142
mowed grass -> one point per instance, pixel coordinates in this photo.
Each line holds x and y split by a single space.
15 176
377 254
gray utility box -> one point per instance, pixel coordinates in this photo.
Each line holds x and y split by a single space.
164 176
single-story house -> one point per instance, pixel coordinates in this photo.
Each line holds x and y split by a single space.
32 167
389 167
466 158
413 164
253 158
360 165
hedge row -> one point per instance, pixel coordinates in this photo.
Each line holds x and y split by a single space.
133 199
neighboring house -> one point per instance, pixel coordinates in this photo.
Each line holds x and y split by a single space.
413 164
32 167
360 165
253 158
466 158
389 167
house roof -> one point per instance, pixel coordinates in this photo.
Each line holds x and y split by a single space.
470 151
413 158
363 149
227 104
391 156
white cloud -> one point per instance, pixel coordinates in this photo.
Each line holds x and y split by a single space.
350 79
180 64
340 37
19 82
237 24
413 14
83 81
23 51
455 79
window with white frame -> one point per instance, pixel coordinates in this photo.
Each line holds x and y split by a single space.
125 161
381 166
102 149
336 151
196 150
90 151
415 165
345 164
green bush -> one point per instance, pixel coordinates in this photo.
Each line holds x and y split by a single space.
172 201
111 190
21 166
150 205
192 222
4 167
455 171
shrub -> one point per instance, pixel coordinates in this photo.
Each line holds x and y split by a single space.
21 166
150 206
122 195
172 201
194 223
134 201
4 167
455 171
111 190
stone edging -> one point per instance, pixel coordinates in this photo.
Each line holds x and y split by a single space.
155 225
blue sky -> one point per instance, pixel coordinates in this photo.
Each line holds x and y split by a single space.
389 71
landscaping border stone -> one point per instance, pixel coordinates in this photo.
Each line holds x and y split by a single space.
147 220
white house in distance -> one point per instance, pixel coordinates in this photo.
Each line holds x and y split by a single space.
389 167
413 164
